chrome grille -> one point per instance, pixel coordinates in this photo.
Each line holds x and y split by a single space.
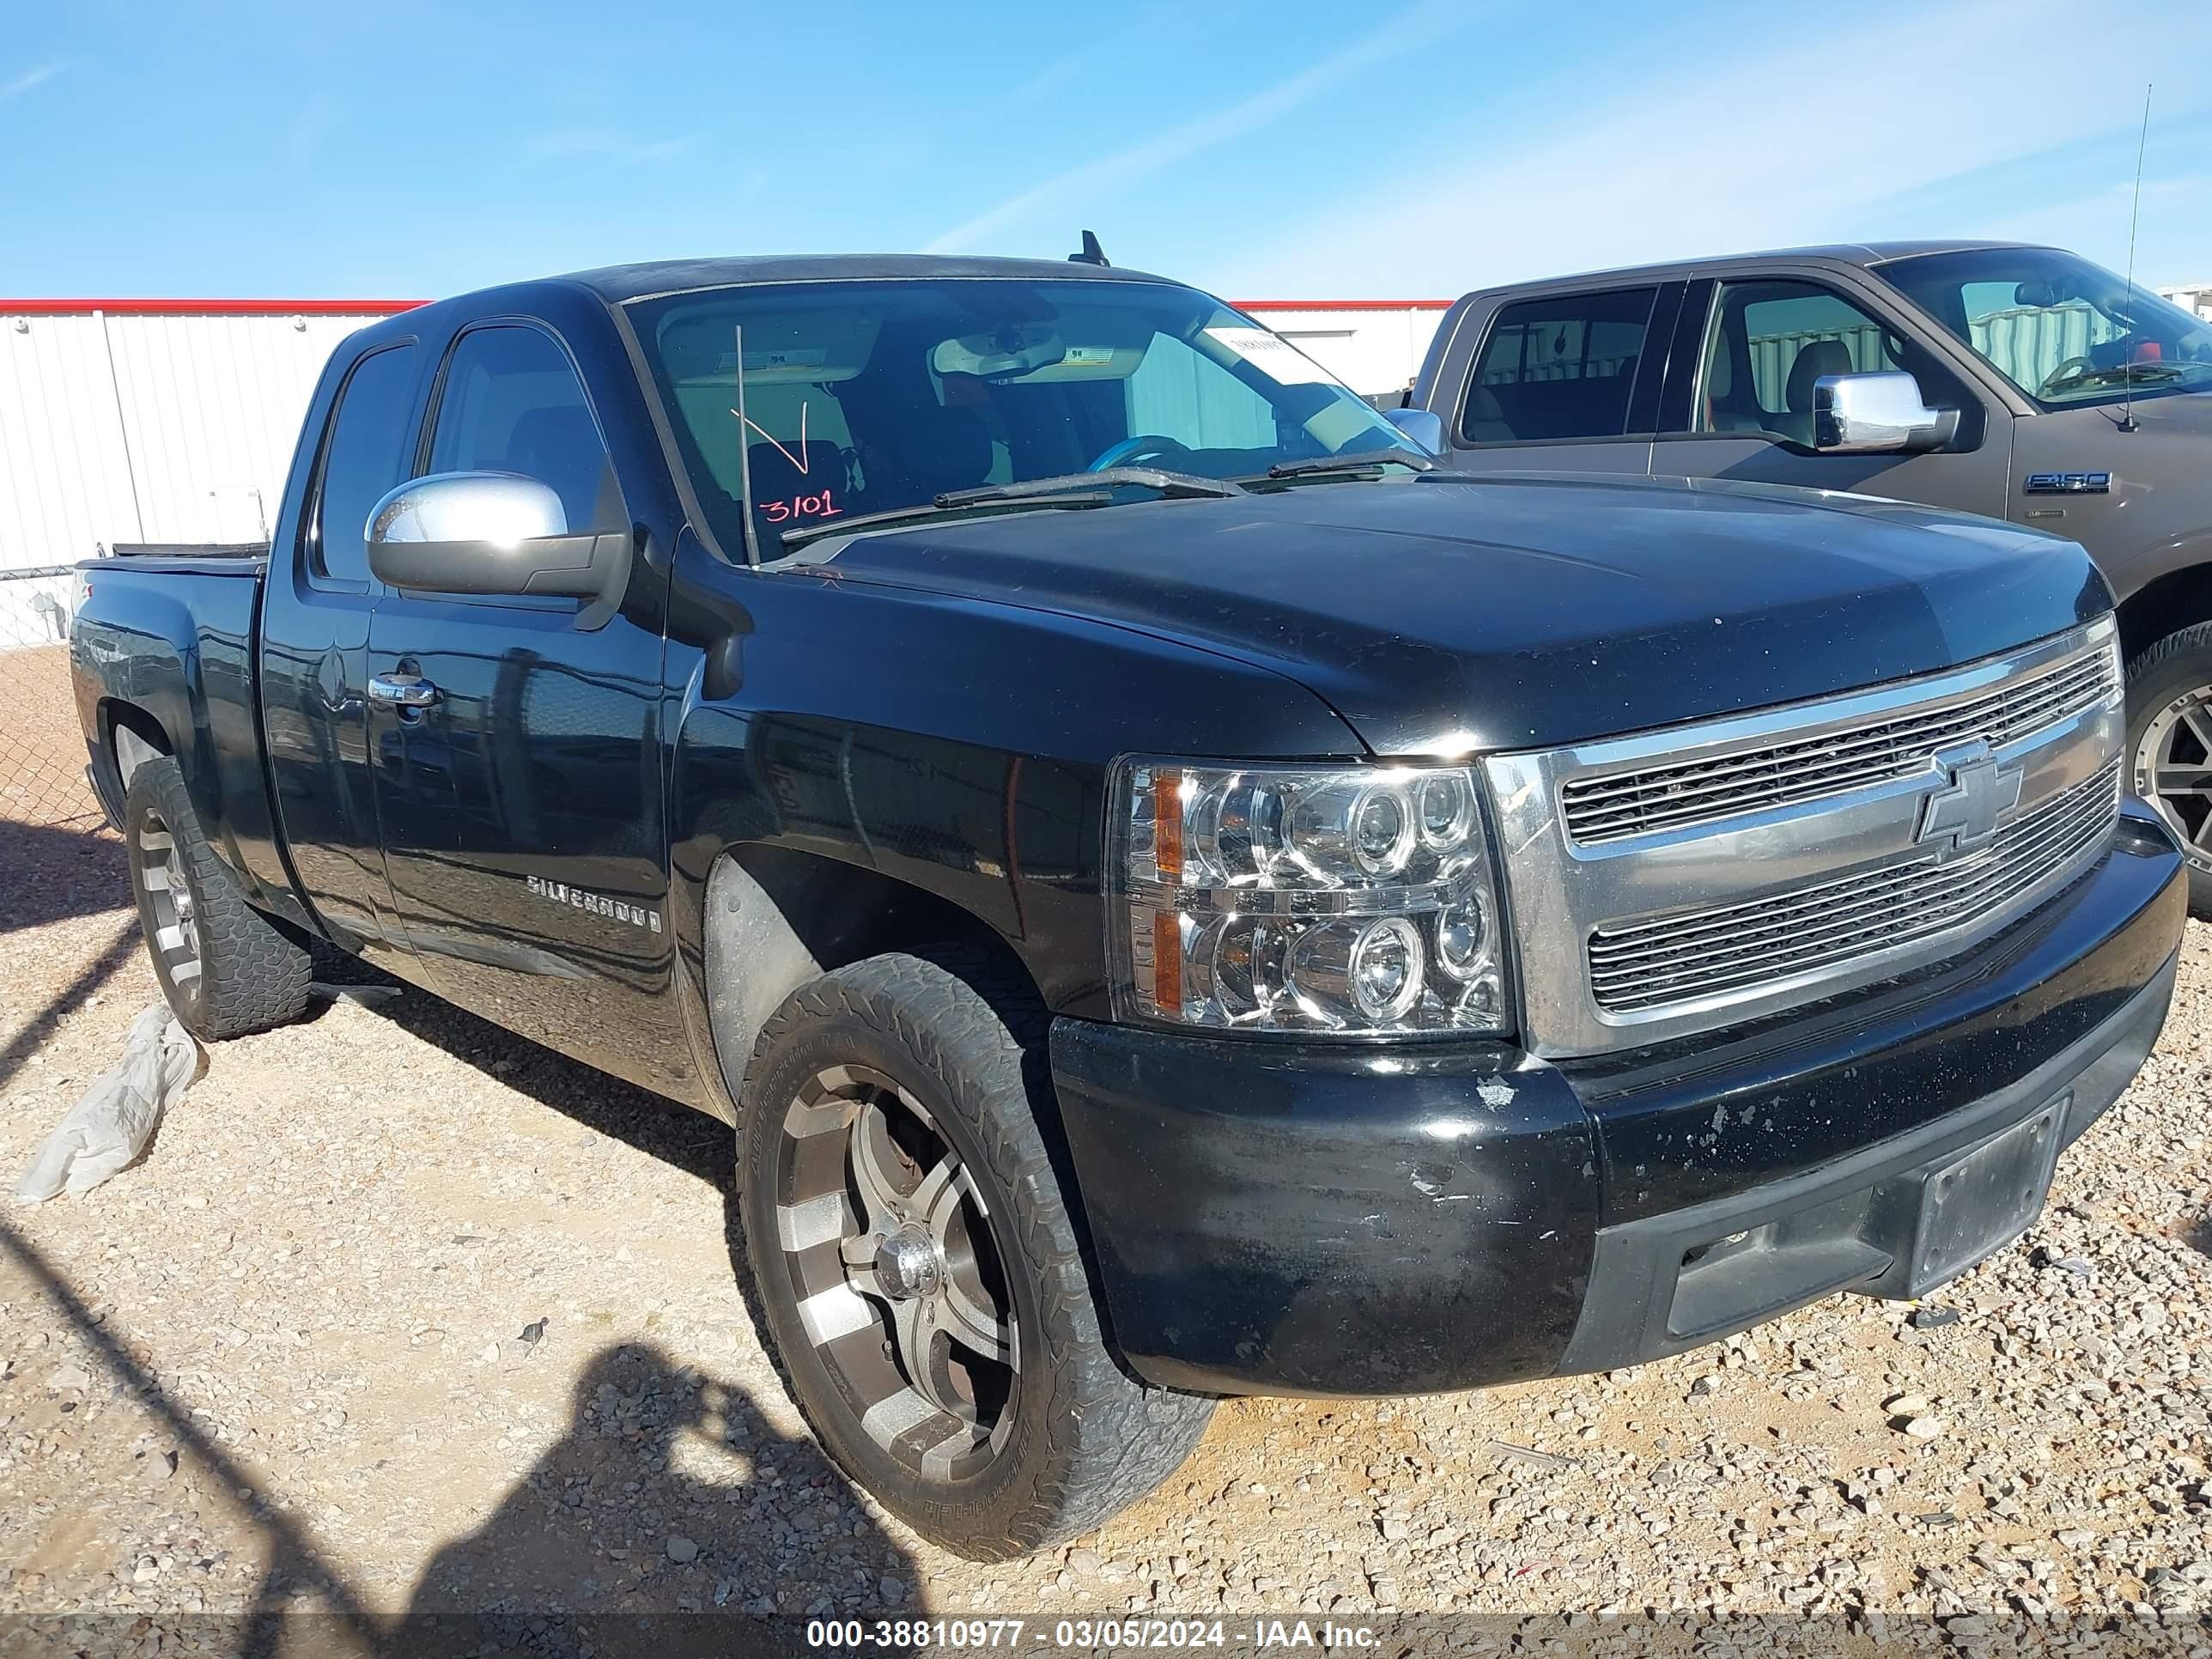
1682 795
1712 872
1701 954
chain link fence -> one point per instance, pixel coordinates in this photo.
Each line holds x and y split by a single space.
42 757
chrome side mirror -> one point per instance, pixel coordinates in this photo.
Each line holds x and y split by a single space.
1877 415
489 533
1423 426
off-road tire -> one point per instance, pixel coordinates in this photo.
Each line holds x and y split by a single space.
1086 1439
227 970
2163 678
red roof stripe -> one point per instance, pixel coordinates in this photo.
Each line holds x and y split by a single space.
206 307
1344 305
385 307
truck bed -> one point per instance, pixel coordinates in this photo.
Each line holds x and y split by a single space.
172 634
185 558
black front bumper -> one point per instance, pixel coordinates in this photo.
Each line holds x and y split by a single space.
1314 1219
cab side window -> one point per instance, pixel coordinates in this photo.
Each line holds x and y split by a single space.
1767 344
1559 366
511 402
372 440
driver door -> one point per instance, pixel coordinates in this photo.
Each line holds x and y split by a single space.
521 803
1747 413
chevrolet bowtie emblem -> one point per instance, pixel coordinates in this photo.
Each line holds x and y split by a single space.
1961 812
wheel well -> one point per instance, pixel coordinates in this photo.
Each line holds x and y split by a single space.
777 918
133 738
2157 609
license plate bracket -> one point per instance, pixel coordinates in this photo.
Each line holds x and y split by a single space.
1982 1200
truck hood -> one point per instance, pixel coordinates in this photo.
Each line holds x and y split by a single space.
1443 614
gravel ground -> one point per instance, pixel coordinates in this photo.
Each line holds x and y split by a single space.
400 1312
41 744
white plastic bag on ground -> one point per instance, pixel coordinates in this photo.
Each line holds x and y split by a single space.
112 1121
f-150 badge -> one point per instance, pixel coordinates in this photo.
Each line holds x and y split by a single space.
2068 484
637 915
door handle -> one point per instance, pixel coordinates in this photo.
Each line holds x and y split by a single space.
403 691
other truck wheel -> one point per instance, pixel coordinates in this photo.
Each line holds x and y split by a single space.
919 1270
227 969
2170 746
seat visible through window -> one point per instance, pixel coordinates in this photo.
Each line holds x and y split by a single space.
512 403
1769 343
561 447
1814 359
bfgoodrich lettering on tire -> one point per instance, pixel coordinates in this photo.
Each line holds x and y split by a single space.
226 969
920 1272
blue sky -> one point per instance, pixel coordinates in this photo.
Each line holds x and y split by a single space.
1262 150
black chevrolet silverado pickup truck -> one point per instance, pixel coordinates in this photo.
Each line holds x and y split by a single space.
1176 894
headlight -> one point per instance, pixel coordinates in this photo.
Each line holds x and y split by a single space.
1351 901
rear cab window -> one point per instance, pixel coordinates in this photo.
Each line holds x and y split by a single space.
372 440
1558 367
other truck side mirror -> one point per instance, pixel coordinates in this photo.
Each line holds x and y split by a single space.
1423 426
1880 414
489 533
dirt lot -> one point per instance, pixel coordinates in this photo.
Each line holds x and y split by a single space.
41 746
400 1312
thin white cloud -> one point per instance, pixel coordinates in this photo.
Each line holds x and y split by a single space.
19 85
1800 142
1060 198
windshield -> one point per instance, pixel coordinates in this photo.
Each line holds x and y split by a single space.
2061 329
870 397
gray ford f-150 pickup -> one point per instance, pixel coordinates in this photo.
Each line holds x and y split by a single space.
1990 377
1176 894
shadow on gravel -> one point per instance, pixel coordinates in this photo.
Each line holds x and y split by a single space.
67 1000
57 872
295 1567
2199 1237
585 1538
692 1141
665 1521
669 1496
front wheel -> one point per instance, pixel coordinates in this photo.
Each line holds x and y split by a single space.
920 1272
2170 747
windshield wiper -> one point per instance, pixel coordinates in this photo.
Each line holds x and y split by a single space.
2127 373
1170 484
1322 467
1065 490
940 507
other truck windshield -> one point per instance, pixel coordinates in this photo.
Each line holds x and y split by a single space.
862 398
2061 329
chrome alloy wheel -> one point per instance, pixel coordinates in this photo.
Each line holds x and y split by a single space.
176 929
2173 771
901 1287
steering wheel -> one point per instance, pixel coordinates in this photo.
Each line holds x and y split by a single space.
2065 371
1145 446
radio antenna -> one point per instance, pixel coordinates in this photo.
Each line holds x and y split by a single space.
2134 216
745 460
